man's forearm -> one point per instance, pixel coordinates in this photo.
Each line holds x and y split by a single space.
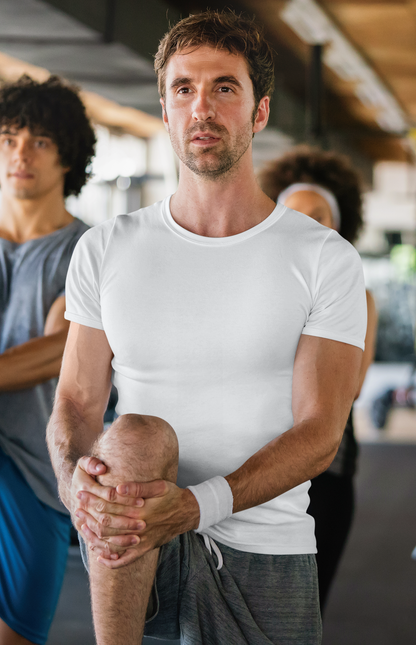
69 436
31 363
325 377
296 456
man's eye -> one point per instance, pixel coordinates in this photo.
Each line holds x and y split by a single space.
183 90
224 89
7 142
40 144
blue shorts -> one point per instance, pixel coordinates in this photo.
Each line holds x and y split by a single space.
34 540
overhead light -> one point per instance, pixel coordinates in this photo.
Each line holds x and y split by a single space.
307 20
313 26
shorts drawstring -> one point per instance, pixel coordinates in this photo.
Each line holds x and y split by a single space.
211 546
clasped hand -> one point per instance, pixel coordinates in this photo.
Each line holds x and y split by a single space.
122 523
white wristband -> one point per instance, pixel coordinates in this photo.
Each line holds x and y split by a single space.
215 500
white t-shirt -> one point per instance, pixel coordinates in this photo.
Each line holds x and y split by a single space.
204 333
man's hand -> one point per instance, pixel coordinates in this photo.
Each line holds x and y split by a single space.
170 513
98 511
121 524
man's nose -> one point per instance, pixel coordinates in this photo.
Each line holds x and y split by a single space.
22 151
203 107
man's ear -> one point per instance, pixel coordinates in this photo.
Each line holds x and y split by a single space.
262 115
164 115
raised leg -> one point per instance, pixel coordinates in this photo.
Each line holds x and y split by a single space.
135 448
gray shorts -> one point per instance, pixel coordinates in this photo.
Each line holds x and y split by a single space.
251 600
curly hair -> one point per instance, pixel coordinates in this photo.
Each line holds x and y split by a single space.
54 109
328 169
222 30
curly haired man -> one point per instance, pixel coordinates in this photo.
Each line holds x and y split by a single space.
46 145
225 321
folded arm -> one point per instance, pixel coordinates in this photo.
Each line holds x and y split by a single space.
39 359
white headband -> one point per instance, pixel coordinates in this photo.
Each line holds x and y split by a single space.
320 190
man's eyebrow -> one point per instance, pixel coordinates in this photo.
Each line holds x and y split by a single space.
228 79
185 80
182 80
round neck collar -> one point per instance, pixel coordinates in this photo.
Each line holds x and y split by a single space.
220 241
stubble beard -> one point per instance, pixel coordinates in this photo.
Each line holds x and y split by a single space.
220 163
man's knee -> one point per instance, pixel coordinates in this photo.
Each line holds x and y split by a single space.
138 448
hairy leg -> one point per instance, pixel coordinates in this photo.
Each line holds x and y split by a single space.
10 637
135 448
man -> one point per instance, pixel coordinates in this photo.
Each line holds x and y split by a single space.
46 144
237 323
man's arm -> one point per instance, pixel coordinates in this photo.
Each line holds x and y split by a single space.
325 381
80 402
39 359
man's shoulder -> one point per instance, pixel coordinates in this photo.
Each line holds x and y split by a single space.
302 230
299 226
80 226
302 235
124 224
120 230
76 229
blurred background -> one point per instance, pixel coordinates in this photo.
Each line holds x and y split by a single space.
345 81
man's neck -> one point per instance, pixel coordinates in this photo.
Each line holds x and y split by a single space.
22 220
219 208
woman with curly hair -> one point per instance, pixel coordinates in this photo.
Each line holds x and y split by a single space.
324 186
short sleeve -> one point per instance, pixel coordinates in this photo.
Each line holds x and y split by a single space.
82 287
339 309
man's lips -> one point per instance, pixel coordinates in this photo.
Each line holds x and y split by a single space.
204 138
21 174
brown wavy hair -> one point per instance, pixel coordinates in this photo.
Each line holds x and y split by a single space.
221 30
328 169
54 109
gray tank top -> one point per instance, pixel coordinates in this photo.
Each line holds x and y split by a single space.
32 277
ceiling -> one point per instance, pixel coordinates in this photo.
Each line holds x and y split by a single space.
118 85
385 31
